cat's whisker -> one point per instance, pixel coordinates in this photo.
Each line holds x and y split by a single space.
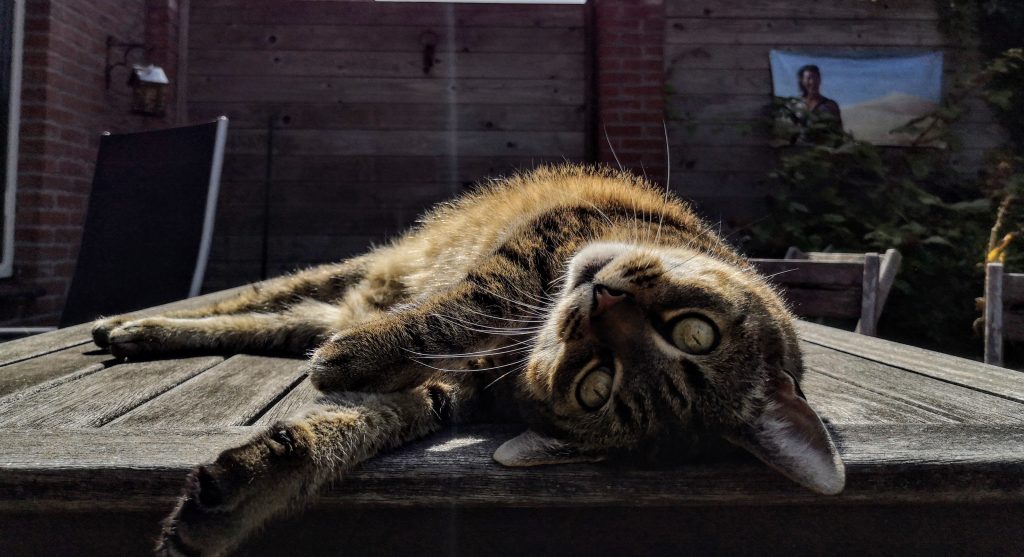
668 179
612 149
481 353
518 362
506 374
509 319
498 331
539 309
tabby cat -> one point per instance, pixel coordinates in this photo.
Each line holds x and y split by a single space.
604 314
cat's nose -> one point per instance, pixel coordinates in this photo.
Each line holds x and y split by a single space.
605 298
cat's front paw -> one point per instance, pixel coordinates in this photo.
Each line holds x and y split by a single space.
224 501
136 339
102 328
345 362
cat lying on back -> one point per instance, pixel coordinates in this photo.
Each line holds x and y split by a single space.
611 319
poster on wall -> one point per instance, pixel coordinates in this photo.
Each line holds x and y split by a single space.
880 100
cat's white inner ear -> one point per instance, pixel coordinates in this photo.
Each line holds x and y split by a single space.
789 437
534 449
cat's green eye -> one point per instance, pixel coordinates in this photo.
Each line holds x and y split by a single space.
595 389
695 334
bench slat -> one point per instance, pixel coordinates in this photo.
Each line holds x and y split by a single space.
232 393
1013 288
302 395
98 469
959 404
998 381
98 398
34 371
806 272
842 403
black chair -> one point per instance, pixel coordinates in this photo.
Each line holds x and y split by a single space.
149 223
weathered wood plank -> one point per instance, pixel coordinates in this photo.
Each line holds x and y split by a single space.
33 371
817 302
827 9
755 56
379 13
98 398
957 403
822 274
842 403
366 174
381 38
366 89
281 63
418 143
1013 288
389 116
1001 382
725 82
994 314
301 396
47 471
699 184
30 347
684 135
233 393
748 109
817 32
869 306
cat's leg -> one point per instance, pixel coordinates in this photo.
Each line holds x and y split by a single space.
294 331
324 283
285 466
455 322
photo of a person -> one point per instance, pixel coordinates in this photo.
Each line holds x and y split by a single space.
809 82
874 97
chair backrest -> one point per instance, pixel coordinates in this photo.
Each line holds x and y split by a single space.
1004 314
149 222
835 285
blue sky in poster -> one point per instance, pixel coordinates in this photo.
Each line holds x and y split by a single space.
851 80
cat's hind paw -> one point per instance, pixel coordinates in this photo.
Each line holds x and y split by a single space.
224 501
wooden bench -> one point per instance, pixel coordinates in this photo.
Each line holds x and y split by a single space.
93 453
1004 310
835 285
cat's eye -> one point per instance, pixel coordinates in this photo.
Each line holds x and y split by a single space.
595 388
695 334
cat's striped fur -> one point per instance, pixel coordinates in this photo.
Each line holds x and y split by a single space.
606 315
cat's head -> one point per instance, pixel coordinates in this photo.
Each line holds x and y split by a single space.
649 346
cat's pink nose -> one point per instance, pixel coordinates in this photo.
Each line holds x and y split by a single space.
605 298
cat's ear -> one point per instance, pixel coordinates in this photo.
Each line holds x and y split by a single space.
789 437
534 449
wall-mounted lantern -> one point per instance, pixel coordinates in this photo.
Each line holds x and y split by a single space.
149 90
148 82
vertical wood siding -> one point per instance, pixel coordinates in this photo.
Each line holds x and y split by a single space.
364 139
719 84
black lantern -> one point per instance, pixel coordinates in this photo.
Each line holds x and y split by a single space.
149 90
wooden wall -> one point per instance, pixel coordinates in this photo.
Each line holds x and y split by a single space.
719 84
364 139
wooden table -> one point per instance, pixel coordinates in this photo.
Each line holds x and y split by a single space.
93 453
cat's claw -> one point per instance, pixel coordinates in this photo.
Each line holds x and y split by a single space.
131 341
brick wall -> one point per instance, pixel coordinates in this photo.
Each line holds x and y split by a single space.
65 106
630 84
